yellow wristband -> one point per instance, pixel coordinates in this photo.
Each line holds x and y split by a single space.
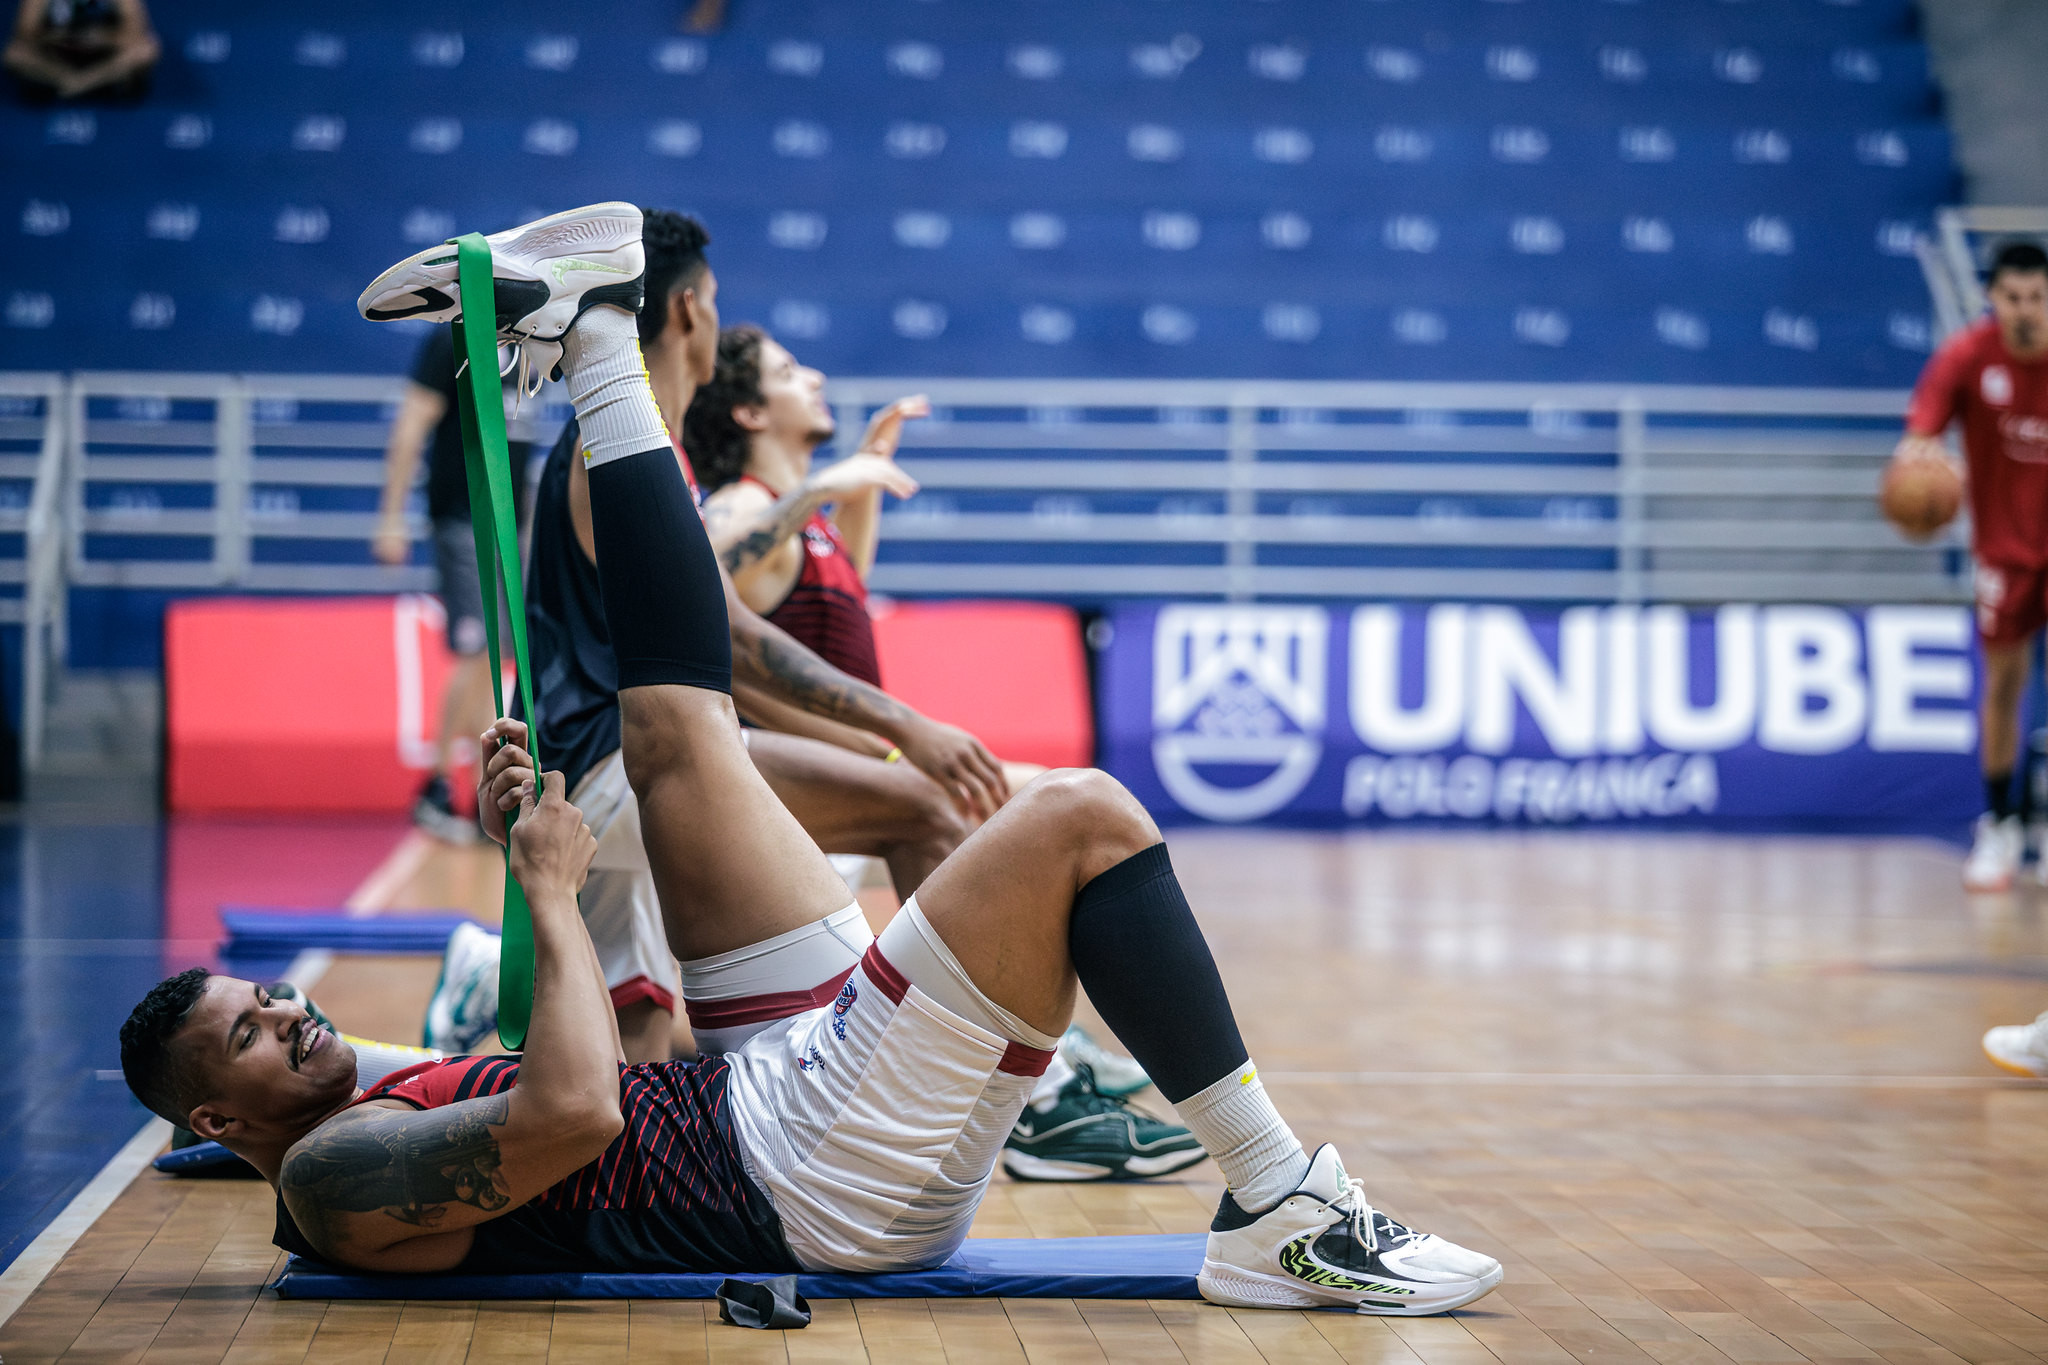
893 756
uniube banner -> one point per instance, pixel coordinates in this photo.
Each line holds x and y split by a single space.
1744 716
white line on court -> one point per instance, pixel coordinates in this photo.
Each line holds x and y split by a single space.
54 1242
398 867
1595 1080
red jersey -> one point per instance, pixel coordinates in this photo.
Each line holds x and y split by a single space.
2003 404
670 1194
827 606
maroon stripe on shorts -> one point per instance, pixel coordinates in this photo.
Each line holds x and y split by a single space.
883 974
1021 1060
756 1009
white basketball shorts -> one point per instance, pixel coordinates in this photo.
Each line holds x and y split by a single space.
874 1122
618 901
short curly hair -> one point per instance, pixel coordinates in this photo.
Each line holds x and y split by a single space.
151 1066
718 445
674 244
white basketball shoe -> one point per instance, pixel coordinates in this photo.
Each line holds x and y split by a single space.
463 1012
2020 1048
545 274
1324 1246
1994 853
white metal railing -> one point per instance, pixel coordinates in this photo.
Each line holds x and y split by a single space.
36 412
1626 493
1083 490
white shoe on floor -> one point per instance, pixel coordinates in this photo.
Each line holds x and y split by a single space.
464 1010
545 274
1994 853
1324 1246
2020 1048
1115 1074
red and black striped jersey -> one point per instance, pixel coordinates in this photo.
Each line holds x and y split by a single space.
670 1194
827 606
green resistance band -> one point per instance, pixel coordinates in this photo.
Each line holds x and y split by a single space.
480 398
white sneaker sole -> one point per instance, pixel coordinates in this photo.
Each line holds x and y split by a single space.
2014 1065
1025 1166
1235 1287
516 253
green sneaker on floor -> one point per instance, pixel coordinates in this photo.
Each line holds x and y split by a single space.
1079 1133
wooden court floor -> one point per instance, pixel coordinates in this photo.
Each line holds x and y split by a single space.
1708 1099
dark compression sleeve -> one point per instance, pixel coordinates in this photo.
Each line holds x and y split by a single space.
663 603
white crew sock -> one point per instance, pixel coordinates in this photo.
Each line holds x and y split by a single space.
607 381
375 1061
1235 1120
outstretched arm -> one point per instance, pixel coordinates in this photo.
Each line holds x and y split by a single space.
742 540
859 515
766 657
388 1188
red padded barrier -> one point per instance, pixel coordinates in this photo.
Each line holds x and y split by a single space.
301 704
325 704
1013 673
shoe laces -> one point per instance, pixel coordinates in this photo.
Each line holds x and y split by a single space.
1093 1101
530 376
1367 1224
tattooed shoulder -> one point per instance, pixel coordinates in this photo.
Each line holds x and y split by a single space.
410 1166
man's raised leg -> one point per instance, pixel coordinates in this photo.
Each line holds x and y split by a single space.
731 865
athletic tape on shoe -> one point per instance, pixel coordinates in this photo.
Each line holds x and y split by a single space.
480 398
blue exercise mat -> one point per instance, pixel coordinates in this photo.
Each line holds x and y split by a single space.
1154 1267
202 1157
285 933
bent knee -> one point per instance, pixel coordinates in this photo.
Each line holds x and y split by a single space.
1094 809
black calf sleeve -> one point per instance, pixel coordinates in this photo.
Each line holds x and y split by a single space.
1144 963
664 605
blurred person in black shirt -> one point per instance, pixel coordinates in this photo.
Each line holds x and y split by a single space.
66 49
427 421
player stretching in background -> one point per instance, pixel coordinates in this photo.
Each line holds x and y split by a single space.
752 432
1994 377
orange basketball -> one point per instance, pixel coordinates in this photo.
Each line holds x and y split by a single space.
1920 496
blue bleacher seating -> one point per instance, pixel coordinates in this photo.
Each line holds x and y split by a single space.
1684 190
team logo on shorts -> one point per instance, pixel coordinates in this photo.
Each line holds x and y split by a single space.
847 995
812 1060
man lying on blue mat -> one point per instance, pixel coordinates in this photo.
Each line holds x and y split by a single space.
855 1136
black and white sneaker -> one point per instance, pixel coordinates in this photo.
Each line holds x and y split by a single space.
545 273
1324 1246
433 811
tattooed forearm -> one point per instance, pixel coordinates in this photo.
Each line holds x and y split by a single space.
783 519
782 667
408 1166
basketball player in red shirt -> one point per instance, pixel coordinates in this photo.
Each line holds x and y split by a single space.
799 541
1993 377
752 431
859 1135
